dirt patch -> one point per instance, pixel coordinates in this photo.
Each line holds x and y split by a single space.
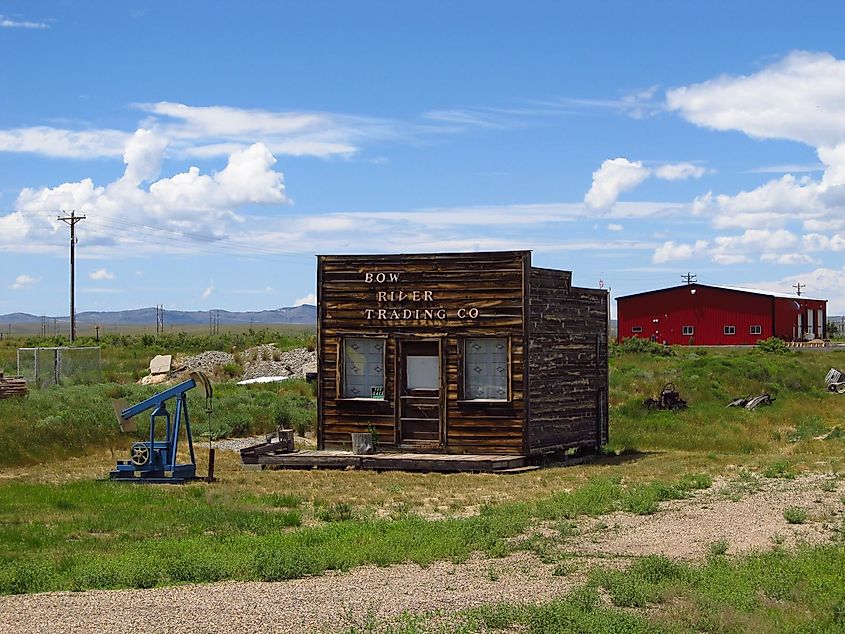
747 516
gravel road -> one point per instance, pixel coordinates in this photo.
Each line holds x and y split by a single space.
329 603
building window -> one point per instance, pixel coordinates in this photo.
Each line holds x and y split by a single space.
486 369
688 331
730 330
637 329
363 368
756 330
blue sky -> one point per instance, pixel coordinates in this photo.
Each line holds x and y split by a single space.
215 147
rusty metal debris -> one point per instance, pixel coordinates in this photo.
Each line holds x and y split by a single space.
752 402
668 399
835 381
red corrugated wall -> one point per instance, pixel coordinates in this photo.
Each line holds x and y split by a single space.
786 316
662 315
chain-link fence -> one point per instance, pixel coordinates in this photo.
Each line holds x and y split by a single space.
43 367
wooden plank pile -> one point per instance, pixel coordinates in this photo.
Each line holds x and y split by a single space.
10 387
280 443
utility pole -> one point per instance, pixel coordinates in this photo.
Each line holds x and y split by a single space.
159 319
71 222
689 278
799 286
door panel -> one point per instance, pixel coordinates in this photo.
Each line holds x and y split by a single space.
420 403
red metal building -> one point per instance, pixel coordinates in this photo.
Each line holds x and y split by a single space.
705 315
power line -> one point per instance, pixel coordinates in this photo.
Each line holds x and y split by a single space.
799 286
689 278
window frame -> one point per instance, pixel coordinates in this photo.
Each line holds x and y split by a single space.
731 333
463 398
684 332
759 330
636 329
341 369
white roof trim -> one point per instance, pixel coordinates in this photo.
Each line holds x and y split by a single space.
760 291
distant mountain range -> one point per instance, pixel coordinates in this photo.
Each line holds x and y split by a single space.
304 314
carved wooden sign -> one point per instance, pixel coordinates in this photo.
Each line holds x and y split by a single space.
403 304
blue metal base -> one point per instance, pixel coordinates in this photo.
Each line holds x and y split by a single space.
127 472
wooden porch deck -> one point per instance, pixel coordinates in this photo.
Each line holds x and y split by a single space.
444 463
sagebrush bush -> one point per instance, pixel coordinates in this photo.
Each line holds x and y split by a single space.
773 345
636 345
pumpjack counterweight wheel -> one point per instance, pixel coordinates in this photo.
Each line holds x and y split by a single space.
140 454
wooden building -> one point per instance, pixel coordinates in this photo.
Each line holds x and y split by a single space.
709 315
459 353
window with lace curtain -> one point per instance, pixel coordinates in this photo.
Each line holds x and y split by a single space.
363 367
485 371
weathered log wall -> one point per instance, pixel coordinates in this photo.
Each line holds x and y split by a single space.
567 362
557 396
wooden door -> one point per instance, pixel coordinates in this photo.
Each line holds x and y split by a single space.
420 393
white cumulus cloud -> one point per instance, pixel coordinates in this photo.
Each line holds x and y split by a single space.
203 205
818 242
612 178
799 98
25 281
672 252
311 299
619 175
101 275
679 171
790 259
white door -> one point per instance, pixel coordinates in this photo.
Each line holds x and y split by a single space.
800 327
810 330
820 322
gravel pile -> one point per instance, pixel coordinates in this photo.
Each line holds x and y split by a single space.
236 444
204 361
265 360
268 361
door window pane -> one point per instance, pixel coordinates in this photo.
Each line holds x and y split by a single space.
423 373
363 368
486 369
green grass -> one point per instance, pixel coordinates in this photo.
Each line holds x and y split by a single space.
62 422
795 515
710 378
803 421
126 357
71 420
801 592
772 591
109 535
